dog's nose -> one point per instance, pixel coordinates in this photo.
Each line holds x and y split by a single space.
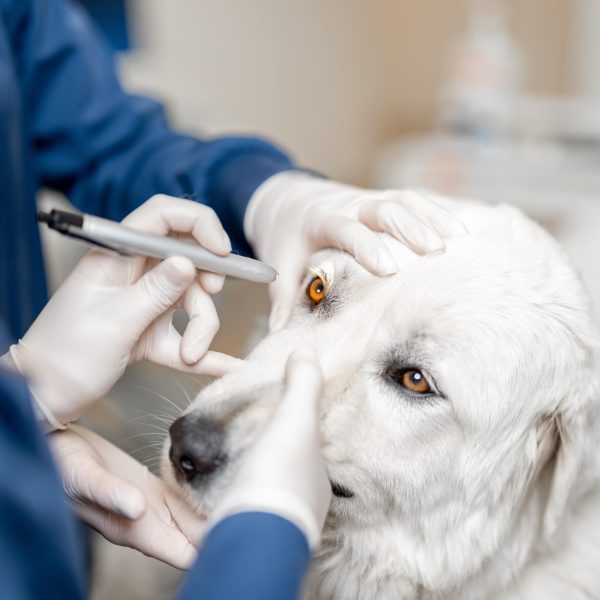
196 446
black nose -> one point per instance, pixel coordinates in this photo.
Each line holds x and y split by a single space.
196 447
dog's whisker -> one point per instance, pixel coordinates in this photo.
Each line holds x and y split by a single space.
162 430
143 434
163 417
147 447
152 415
184 391
178 408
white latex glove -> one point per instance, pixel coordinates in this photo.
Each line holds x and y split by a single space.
120 498
283 472
292 215
114 310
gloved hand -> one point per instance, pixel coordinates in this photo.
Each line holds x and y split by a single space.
121 499
114 310
283 472
292 215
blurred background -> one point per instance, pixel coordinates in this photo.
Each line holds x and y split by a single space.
493 99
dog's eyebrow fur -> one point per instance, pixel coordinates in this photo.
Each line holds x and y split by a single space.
409 351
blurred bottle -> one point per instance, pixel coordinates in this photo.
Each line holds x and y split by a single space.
480 93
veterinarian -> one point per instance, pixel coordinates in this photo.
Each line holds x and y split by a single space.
111 311
66 124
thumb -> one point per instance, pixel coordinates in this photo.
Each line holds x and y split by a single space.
284 289
86 481
189 522
161 287
150 535
295 422
303 386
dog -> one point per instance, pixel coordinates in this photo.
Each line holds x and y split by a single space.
460 419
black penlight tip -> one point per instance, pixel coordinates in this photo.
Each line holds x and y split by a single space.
61 220
43 217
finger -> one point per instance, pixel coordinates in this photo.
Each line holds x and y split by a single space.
87 482
399 222
358 240
213 364
211 282
191 524
150 535
170 546
303 382
202 326
163 214
161 344
168 354
158 535
298 410
429 208
284 289
210 234
159 289
160 339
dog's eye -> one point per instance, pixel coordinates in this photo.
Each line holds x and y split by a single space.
411 380
315 291
414 381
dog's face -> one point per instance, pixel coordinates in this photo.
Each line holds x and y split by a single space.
445 389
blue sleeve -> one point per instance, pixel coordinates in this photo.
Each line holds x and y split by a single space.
40 556
109 151
250 556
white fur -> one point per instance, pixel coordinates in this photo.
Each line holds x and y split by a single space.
489 492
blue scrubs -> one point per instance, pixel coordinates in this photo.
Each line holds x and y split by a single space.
254 556
66 124
249 556
40 555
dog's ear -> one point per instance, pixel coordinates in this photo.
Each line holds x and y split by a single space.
560 438
566 438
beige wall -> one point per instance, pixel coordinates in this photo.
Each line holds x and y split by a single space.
418 36
332 80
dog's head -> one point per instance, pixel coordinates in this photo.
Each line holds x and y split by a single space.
458 401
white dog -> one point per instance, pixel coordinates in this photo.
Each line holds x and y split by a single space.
460 419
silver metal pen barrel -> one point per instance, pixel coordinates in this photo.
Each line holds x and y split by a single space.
133 241
115 236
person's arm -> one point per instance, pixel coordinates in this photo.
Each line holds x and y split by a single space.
39 551
107 150
250 555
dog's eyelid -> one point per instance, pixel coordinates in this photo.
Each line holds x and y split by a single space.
432 383
430 379
318 272
312 273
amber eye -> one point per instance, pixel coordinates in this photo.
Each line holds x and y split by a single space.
315 292
414 381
